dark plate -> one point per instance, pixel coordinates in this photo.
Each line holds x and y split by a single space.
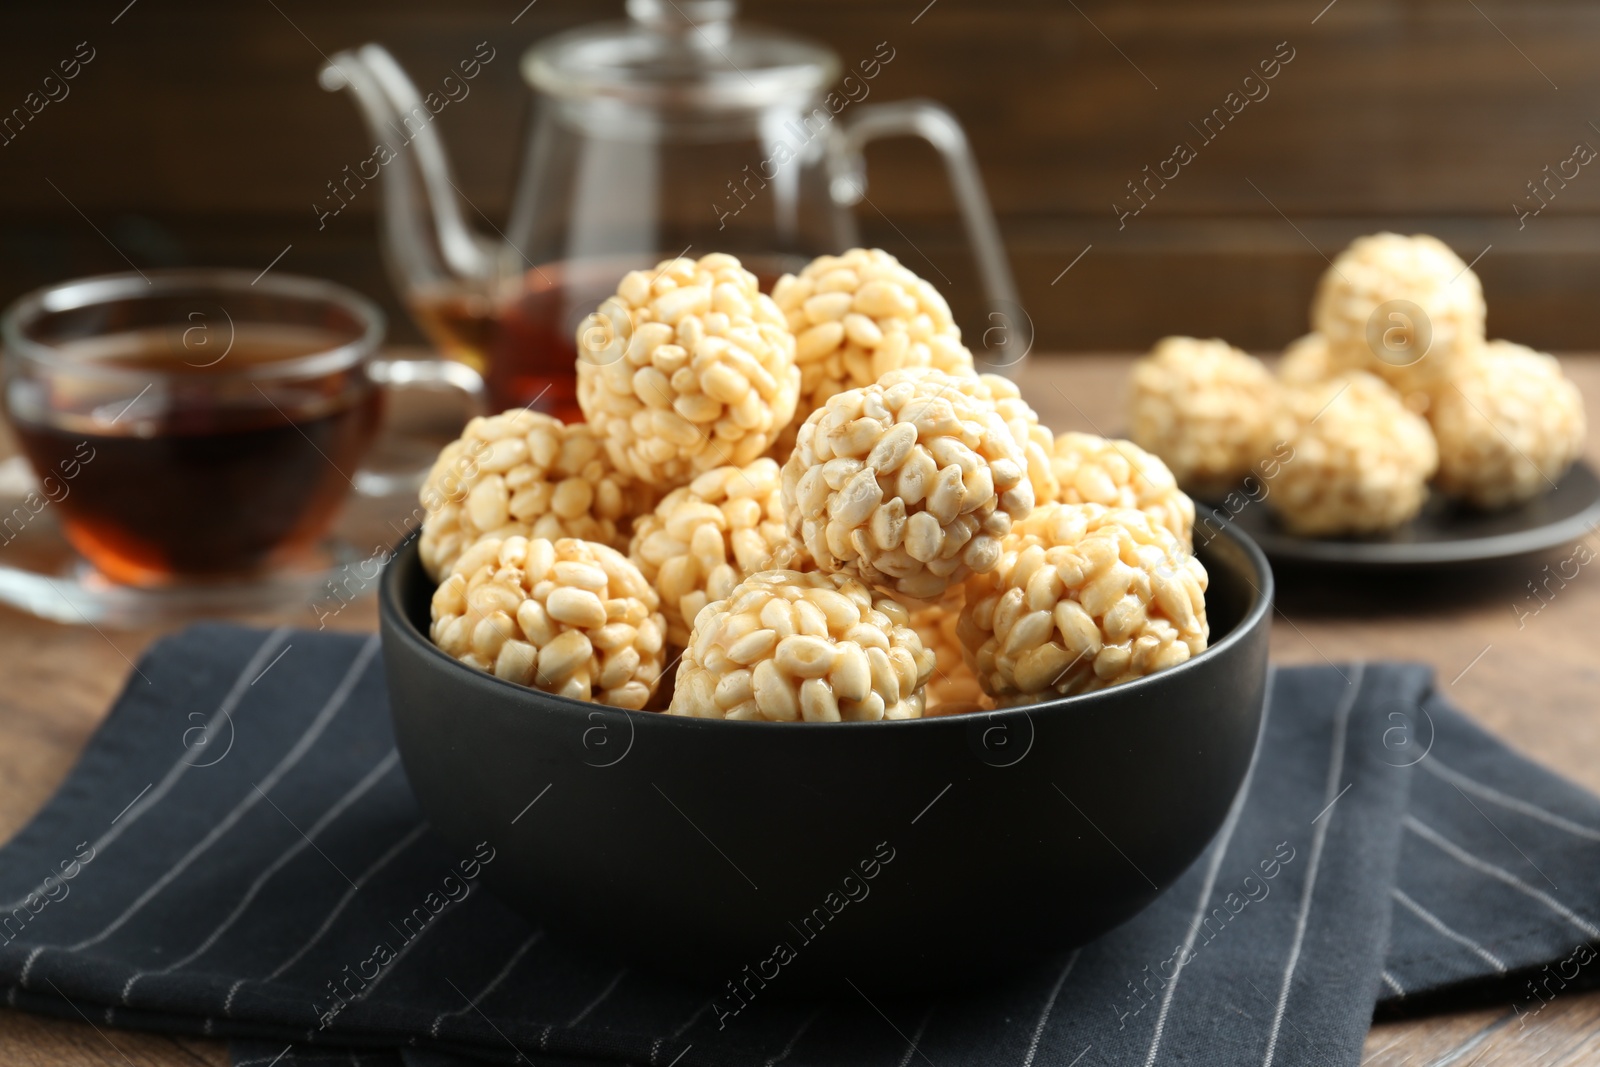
901 854
1445 534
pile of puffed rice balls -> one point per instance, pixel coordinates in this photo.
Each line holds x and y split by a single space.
802 507
1395 388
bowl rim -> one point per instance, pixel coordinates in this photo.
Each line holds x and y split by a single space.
394 619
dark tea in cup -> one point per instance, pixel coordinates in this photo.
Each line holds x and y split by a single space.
197 425
204 473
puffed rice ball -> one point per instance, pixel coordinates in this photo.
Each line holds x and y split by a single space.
1361 460
702 539
1084 597
952 688
858 316
907 484
569 617
524 473
1305 361
1031 435
788 646
687 368
1384 267
1207 409
1034 438
1119 474
1508 423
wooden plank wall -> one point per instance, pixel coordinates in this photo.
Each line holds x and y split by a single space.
197 134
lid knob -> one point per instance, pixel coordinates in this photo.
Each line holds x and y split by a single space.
683 56
684 16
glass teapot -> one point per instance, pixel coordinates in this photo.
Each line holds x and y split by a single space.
677 132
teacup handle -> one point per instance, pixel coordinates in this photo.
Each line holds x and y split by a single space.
1008 331
435 374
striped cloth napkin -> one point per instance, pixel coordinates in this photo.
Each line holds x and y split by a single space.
239 836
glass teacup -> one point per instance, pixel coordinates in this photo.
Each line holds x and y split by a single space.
197 424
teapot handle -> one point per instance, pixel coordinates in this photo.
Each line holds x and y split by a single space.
1008 334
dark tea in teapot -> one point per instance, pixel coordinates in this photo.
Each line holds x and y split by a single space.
524 342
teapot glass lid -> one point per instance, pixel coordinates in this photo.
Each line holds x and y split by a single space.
687 54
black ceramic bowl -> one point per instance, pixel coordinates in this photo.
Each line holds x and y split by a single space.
896 854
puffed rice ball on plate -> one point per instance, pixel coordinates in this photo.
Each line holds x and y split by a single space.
1305 361
524 473
860 315
1207 409
1119 474
1508 423
907 484
1360 463
1084 597
787 646
687 368
1367 305
705 537
569 617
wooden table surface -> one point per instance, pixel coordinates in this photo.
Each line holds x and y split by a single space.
1533 684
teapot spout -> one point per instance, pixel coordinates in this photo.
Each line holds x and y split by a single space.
427 240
